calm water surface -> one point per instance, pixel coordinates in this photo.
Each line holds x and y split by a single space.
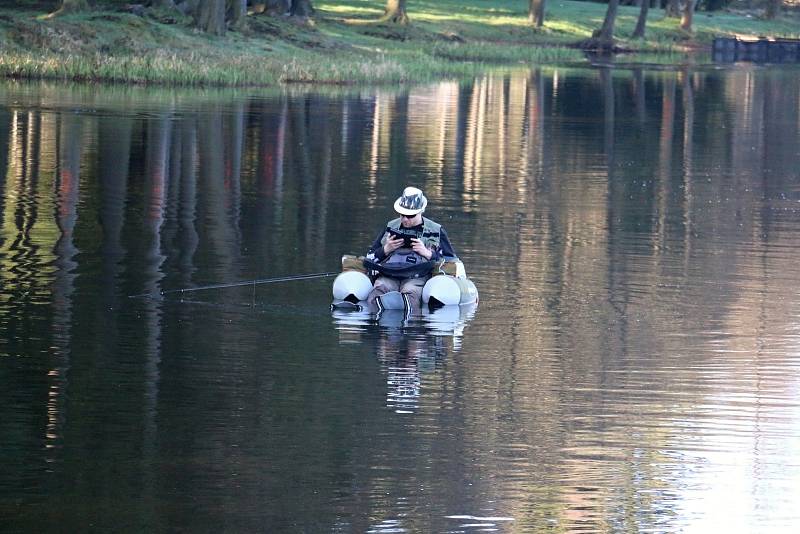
633 365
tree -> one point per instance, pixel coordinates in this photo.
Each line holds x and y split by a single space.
772 9
210 16
688 14
605 35
70 6
395 12
672 9
641 22
536 12
237 13
301 8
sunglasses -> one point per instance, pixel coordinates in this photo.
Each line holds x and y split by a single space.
409 216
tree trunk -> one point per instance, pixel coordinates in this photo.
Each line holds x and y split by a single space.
70 6
211 16
237 13
536 12
772 9
606 32
688 15
301 8
395 12
641 23
673 9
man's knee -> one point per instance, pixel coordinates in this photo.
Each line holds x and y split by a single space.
385 285
381 287
414 285
413 291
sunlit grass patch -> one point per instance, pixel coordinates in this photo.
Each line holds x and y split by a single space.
571 28
500 54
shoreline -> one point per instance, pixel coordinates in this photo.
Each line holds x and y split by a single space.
344 44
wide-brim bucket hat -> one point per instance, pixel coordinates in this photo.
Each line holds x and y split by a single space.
411 202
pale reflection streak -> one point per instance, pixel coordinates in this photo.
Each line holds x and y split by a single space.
509 136
432 112
494 118
473 150
688 167
447 104
555 86
37 225
26 254
17 150
665 146
374 150
527 139
503 115
344 131
280 156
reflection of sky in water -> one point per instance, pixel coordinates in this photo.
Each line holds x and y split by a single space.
739 467
403 387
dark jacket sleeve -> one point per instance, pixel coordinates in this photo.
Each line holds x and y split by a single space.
376 248
445 248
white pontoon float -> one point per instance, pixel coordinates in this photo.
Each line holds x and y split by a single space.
448 286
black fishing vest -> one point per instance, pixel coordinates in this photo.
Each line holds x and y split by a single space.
404 262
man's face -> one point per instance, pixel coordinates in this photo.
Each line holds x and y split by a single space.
410 221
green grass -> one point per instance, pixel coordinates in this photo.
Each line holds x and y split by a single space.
343 45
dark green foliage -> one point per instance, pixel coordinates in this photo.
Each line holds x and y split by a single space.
52 5
714 5
38 5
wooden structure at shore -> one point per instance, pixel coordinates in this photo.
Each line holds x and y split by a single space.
759 50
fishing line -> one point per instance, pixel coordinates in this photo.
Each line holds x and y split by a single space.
309 276
259 308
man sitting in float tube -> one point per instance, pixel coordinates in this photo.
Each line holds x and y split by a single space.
406 251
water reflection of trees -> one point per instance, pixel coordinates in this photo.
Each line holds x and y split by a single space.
585 200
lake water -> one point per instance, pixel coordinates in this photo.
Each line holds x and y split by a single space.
633 364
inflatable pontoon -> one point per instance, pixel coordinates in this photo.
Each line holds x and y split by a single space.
448 286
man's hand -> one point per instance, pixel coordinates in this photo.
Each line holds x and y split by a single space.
392 244
420 248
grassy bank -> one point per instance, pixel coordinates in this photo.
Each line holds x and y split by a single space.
342 44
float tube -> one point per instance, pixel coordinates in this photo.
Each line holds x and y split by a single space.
448 286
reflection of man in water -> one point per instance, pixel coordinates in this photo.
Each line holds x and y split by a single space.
407 248
405 357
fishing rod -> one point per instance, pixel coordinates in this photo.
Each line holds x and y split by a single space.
258 281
